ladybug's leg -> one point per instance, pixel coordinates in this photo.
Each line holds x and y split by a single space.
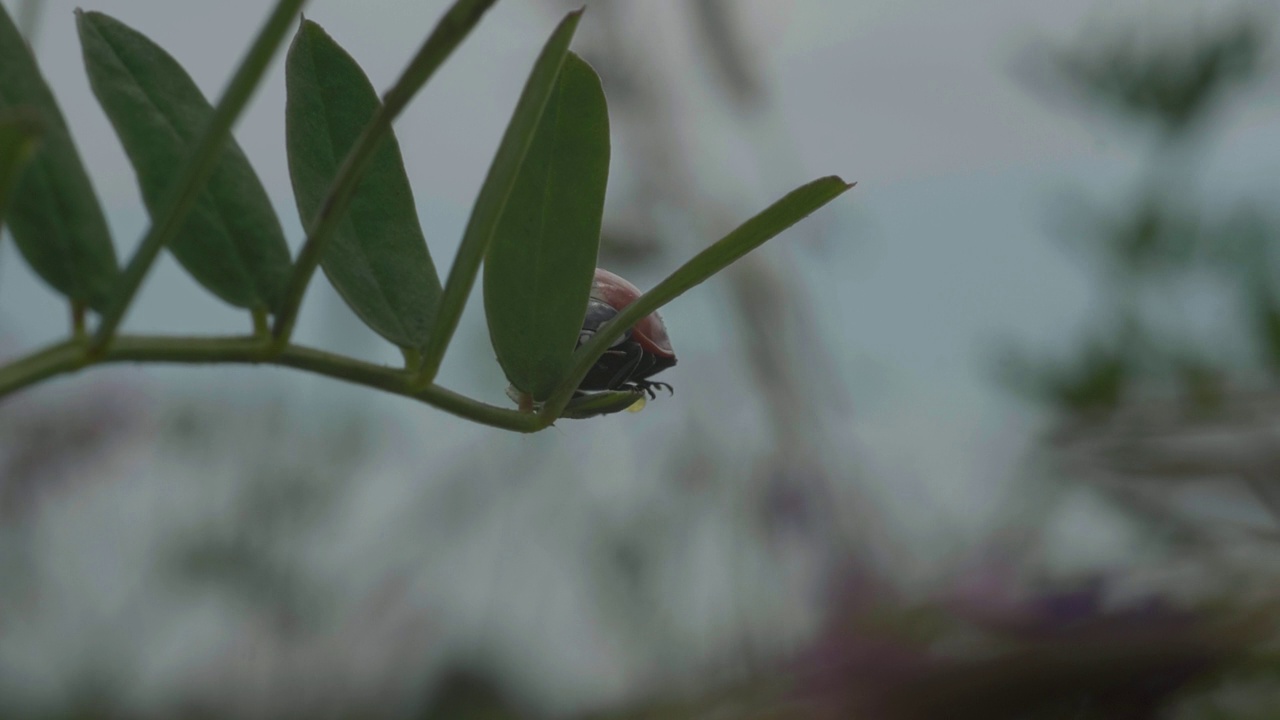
649 385
634 354
603 371
596 378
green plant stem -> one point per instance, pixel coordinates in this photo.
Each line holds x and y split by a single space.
779 216
261 323
70 356
78 312
452 29
199 166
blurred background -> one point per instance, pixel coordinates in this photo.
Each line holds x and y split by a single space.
995 435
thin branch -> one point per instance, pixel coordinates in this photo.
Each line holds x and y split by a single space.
78 313
69 356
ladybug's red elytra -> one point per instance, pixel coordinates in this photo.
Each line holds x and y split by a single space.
643 351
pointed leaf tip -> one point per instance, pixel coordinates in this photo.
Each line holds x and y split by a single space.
377 259
231 242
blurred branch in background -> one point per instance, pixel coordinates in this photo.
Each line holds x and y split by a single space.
720 29
1169 405
1172 79
1183 344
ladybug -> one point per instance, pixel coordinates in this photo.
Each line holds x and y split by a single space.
643 351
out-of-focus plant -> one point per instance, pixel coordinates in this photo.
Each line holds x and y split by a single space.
1185 345
42 442
1165 243
1004 653
535 224
1050 654
1054 655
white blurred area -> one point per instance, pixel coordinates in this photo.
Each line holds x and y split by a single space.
262 541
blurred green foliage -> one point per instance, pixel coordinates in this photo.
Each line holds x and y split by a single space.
1158 251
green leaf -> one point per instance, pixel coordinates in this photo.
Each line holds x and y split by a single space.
55 220
542 256
454 27
195 171
19 136
495 191
792 208
231 241
377 259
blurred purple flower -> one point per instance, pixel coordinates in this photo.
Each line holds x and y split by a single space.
46 445
1052 654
